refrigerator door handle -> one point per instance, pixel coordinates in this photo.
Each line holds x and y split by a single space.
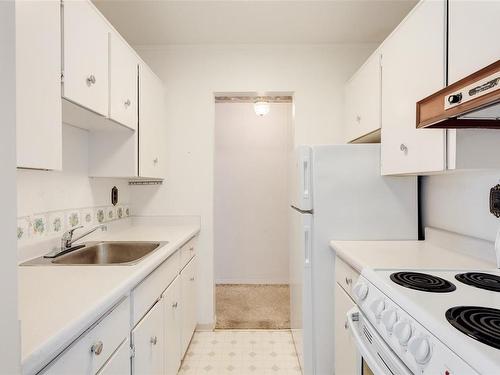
307 246
306 178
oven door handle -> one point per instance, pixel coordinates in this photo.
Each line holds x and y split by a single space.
368 356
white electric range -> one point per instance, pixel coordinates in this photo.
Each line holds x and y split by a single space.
428 321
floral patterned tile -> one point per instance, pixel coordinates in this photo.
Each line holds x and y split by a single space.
39 227
73 219
100 215
110 213
23 228
87 216
56 223
120 212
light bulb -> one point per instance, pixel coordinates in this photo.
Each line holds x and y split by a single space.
261 108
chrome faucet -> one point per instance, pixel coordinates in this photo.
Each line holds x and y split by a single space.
67 239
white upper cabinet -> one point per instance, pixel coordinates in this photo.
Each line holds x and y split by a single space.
474 28
38 85
413 67
152 127
362 95
85 56
123 82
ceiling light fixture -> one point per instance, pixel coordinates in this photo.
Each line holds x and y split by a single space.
261 107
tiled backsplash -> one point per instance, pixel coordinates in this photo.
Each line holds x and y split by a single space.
55 223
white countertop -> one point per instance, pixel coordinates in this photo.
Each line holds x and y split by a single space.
58 303
408 254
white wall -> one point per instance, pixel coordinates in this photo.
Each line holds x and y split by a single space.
192 73
42 191
251 193
9 325
460 203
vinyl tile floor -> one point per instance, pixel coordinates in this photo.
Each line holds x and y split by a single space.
241 352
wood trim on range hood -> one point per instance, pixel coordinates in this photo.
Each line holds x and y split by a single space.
432 111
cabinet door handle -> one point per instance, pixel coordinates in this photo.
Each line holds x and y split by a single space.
155 160
348 281
403 148
97 348
174 305
191 248
346 325
153 340
127 103
91 80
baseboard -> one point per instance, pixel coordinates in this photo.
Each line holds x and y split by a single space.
205 327
253 281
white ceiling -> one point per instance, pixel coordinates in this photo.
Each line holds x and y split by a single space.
144 22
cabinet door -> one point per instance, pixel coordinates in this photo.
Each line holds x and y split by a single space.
123 82
85 49
474 27
149 342
363 100
119 363
152 127
412 68
38 76
173 323
188 307
346 360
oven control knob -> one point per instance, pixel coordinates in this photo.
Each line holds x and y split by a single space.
360 290
456 98
420 348
377 307
389 318
403 332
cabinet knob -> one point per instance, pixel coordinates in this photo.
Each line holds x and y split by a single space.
403 148
91 80
174 305
155 160
97 348
348 281
191 279
127 103
358 119
153 340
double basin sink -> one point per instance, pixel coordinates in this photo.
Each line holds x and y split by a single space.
102 253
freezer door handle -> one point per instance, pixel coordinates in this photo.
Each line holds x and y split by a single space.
307 246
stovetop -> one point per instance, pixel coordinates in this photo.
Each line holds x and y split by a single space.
465 318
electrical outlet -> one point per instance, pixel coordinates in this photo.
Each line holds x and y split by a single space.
495 200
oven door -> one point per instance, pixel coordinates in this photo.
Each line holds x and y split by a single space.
377 358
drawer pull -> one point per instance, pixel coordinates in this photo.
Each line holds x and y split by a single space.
127 103
97 348
174 305
154 340
191 248
191 279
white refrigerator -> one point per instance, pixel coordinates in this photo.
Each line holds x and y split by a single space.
337 193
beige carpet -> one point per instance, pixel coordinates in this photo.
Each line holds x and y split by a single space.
252 306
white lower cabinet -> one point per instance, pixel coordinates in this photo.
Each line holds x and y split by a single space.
119 363
188 306
345 349
149 342
172 331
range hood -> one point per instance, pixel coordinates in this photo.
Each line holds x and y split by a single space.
472 102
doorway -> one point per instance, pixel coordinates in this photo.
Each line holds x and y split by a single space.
253 138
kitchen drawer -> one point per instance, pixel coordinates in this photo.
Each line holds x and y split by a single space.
84 356
151 288
188 251
345 275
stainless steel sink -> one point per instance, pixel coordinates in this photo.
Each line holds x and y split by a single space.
103 253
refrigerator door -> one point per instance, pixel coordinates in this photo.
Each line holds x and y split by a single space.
301 179
301 321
